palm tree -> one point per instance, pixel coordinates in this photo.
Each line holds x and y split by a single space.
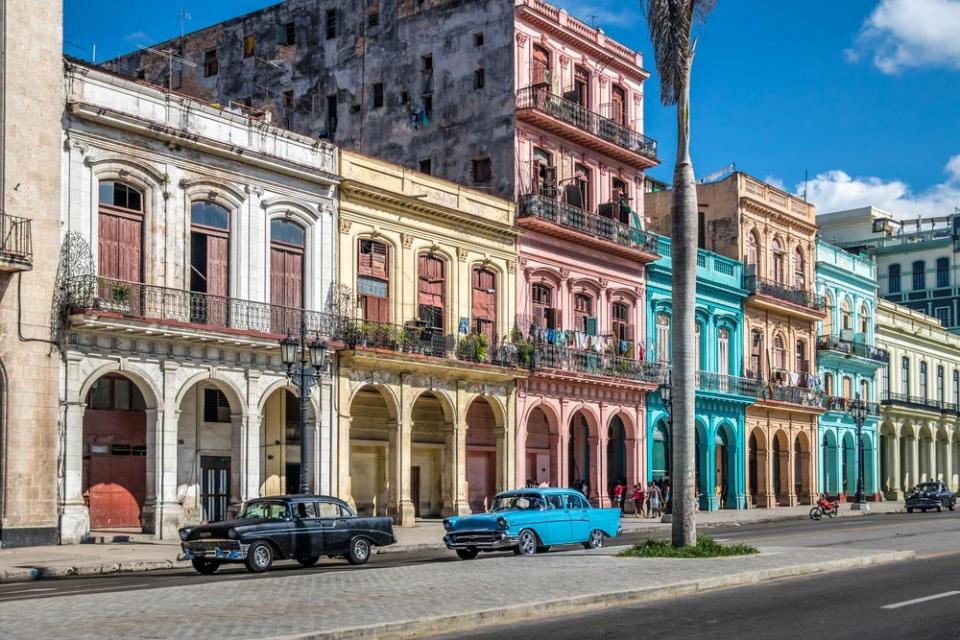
671 24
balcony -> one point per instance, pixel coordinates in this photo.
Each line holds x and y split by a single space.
719 383
178 310
836 403
801 396
571 121
561 220
852 348
598 364
16 244
919 402
772 294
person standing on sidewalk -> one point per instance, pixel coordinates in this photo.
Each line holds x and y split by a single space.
655 501
618 490
638 499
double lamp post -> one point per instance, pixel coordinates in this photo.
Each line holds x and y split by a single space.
858 411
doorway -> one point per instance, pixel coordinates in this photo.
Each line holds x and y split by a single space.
214 487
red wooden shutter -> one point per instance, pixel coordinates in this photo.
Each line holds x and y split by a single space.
109 249
218 266
294 278
129 249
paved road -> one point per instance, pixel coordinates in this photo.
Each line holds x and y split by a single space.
925 533
918 599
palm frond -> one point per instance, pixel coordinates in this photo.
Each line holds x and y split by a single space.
670 23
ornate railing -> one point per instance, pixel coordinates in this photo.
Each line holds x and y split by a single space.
918 402
785 292
719 383
600 364
850 347
541 99
803 396
538 206
837 403
16 240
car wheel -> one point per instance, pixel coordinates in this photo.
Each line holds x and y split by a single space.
595 541
206 567
467 554
527 543
909 509
259 557
359 551
308 561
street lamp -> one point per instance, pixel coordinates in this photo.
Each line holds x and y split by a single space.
666 394
311 355
858 410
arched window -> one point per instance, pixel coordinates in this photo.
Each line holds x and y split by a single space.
373 280
846 315
618 99
799 269
581 85
828 384
663 337
847 387
803 365
544 314
779 262
723 351
209 262
120 233
779 353
545 174
484 302
622 328
864 320
287 243
583 318
865 390
753 248
431 290
828 320
540 66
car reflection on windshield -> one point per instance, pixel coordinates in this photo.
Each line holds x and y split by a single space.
517 503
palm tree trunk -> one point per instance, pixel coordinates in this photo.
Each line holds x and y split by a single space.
684 228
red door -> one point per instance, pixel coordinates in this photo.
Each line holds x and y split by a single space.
484 303
116 466
430 290
286 288
119 260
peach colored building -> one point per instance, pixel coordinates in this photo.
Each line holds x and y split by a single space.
579 181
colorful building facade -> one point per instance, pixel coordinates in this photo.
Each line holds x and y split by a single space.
848 361
722 392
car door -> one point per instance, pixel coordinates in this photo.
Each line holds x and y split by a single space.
306 533
557 516
337 528
579 518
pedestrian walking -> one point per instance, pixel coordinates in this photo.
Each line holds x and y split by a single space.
638 497
655 501
618 490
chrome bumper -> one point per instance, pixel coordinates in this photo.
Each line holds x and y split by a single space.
480 540
215 550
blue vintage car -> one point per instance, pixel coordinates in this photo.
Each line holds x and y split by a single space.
530 521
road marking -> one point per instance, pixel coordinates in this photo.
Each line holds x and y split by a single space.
3 593
907 603
75 592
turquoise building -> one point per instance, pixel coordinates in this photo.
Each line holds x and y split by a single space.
722 394
847 365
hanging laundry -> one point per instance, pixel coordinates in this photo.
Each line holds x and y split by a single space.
464 325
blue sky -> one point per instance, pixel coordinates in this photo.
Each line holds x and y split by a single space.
861 94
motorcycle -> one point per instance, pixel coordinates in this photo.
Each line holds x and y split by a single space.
825 507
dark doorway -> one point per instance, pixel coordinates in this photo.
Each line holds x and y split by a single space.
415 490
214 487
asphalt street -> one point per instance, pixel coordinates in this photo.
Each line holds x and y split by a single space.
927 534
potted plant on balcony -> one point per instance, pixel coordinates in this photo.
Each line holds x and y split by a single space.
114 296
473 347
526 352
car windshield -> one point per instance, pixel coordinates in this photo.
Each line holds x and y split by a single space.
270 510
523 502
930 486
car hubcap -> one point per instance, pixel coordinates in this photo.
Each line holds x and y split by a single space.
596 540
527 544
360 549
261 556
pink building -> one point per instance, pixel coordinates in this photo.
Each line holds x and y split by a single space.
581 156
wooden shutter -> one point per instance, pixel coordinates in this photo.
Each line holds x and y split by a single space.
373 259
484 303
293 276
129 249
218 279
278 289
109 246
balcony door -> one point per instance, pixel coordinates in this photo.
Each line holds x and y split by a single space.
209 263
120 241
484 303
286 275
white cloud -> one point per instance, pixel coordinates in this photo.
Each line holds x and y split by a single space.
837 190
602 16
901 34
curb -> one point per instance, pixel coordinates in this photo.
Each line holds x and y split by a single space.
24 574
537 610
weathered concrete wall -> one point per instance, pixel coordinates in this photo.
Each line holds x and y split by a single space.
30 182
465 123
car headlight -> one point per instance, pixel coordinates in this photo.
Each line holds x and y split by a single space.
184 534
447 525
232 534
502 523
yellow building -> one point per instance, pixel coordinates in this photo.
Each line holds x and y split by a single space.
426 377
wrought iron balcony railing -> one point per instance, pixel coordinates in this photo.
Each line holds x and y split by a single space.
785 292
541 99
837 403
851 347
600 364
719 383
803 396
16 240
533 205
918 402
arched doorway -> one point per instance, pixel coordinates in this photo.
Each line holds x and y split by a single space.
801 469
869 466
781 468
580 456
541 449
757 466
373 453
280 444
427 450
723 486
115 453
616 454
660 457
481 455
848 465
831 481
209 452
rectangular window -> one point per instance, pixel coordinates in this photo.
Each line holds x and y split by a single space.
956 387
330 24
211 66
943 315
940 383
427 62
943 272
288 101
923 380
373 16
905 376
425 166
331 115
286 34
919 276
885 381
377 95
478 39
215 406
893 278
480 170
373 281
479 78
249 43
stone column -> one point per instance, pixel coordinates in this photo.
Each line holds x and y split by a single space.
454 477
74 515
401 442
913 463
947 471
598 489
769 499
895 491
563 428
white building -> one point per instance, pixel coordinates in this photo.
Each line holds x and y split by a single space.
192 237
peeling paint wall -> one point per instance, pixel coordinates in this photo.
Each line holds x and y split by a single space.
464 123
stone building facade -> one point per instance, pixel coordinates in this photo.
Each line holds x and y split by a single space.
193 240
773 233
30 113
427 373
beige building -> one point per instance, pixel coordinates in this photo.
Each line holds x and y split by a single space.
31 90
774 234
426 378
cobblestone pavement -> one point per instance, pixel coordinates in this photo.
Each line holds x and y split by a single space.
313 601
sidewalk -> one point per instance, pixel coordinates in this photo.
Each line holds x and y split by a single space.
410 600
32 563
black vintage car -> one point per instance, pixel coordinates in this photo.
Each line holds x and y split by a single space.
298 527
930 495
